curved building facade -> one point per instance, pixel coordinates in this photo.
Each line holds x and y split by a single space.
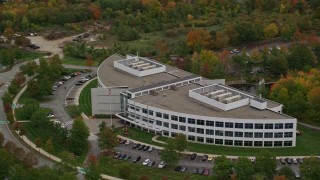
165 100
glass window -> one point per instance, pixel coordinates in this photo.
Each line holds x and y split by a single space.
200 122
165 133
288 134
238 143
174 126
182 128
248 143
248 126
209 140
209 123
229 125
287 143
159 123
288 125
191 121
268 135
219 124
158 114
218 133
238 134
200 139
278 135
239 125
248 134
182 119
218 141
200 131
277 143
145 111
258 126
268 126
210 131
267 143
228 142
151 112
174 118
278 126
228 133
173 134
191 129
258 135
258 143
166 116
165 124
191 138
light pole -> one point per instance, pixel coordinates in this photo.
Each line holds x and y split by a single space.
110 106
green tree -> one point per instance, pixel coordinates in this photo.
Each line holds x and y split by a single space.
314 103
301 58
6 161
78 137
266 164
45 87
169 154
102 126
1 139
181 142
107 139
278 64
30 106
287 172
223 166
244 168
30 68
74 111
271 30
39 119
93 172
298 104
310 168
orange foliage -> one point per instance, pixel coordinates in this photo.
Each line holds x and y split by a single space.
95 10
280 178
201 38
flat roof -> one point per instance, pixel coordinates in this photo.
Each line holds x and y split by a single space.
180 101
110 76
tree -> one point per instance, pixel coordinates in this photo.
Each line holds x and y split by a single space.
244 168
310 168
287 172
298 104
89 60
10 147
107 138
278 64
271 30
40 119
45 87
266 164
181 142
30 159
93 172
125 172
49 145
95 10
223 166
1 139
314 103
169 154
6 161
198 39
102 126
78 136
301 58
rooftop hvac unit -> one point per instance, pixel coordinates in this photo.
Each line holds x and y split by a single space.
232 99
174 87
214 93
154 92
136 63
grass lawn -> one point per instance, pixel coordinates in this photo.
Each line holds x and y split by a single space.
76 61
85 98
112 166
307 144
28 55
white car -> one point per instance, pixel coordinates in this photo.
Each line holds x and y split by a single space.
161 165
146 162
85 78
236 51
67 77
50 115
60 82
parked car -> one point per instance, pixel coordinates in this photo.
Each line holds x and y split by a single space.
297 174
134 146
146 162
300 160
127 158
294 161
183 169
204 158
141 147
162 165
116 155
128 142
288 160
78 84
282 161
201 171
177 169
193 156
50 115
206 172
123 157
120 156
54 88
151 164
137 159
146 148
34 46
150 149
210 158
195 171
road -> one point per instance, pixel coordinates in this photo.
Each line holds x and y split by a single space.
6 79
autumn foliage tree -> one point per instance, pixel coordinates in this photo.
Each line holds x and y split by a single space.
95 11
198 39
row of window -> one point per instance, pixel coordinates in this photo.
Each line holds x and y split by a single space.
219 123
234 142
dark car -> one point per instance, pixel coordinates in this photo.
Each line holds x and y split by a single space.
300 160
134 146
201 171
141 147
177 169
85 35
193 156
127 158
204 158
282 161
195 171
123 157
78 84
120 156
146 148
116 155
288 160
206 172
33 46
183 169
137 159
151 164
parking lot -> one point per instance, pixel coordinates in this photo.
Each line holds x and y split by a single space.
155 156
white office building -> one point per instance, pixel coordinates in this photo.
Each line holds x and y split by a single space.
165 100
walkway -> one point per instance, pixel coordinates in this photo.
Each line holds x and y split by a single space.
154 138
310 126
